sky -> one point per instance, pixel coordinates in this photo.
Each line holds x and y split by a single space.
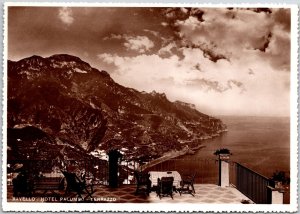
226 61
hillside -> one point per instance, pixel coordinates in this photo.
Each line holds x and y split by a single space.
81 108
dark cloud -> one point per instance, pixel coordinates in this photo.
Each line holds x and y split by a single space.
176 13
207 52
226 33
180 14
261 10
198 13
213 56
265 42
230 14
283 17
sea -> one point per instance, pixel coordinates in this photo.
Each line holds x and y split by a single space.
259 143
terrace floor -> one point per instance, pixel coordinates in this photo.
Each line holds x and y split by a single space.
205 194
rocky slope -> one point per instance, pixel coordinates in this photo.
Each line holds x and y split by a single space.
79 107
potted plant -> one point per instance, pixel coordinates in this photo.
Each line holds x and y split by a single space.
280 179
245 201
223 153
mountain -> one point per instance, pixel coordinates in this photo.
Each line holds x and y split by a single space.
71 107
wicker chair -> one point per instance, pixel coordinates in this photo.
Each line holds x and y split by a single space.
74 184
165 187
143 183
187 185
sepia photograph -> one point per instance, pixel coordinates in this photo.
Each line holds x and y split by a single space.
149 106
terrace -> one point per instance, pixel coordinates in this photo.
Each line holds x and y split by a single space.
205 194
216 181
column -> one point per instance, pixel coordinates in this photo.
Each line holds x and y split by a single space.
276 195
224 173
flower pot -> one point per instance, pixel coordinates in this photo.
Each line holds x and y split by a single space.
278 185
224 156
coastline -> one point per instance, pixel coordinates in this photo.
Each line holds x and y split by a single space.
170 155
185 151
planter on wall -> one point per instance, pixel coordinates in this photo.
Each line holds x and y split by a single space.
224 156
278 185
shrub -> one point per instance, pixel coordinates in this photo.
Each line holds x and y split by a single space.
222 151
280 176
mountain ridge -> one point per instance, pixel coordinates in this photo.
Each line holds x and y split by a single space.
84 107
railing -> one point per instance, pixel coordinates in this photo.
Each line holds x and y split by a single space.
206 169
97 169
250 183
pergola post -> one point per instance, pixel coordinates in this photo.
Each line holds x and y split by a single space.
276 195
223 170
224 173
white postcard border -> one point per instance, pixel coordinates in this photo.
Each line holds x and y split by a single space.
130 207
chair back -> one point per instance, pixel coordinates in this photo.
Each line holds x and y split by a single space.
72 181
141 177
193 177
189 178
166 184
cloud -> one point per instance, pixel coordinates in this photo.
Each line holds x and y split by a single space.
209 85
283 17
141 44
113 36
110 58
225 61
222 34
176 13
230 34
220 87
165 24
154 33
278 51
167 49
138 43
65 14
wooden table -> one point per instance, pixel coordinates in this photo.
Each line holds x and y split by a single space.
154 175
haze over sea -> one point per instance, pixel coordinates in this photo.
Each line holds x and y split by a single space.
260 143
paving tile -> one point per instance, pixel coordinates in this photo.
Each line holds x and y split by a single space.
226 201
226 195
208 201
214 194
